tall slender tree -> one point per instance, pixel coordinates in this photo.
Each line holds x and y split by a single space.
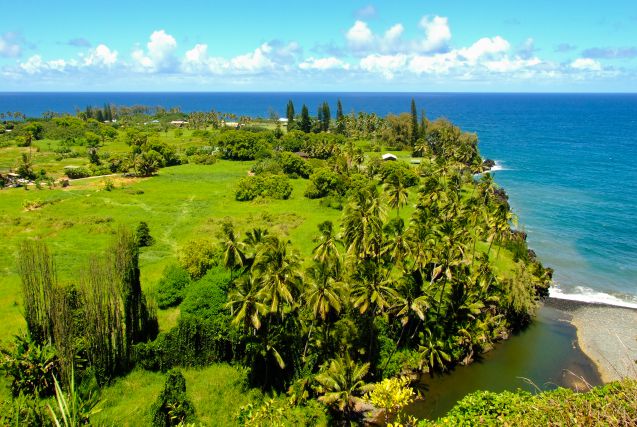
340 118
326 117
290 114
414 122
306 123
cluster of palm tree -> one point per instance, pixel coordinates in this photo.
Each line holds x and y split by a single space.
381 287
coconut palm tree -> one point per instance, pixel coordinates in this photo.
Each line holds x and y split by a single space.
327 244
245 303
432 352
341 383
363 224
233 249
279 273
373 288
397 246
324 291
396 189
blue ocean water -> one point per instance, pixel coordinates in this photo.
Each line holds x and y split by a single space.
567 161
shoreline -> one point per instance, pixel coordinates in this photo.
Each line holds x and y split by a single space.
607 334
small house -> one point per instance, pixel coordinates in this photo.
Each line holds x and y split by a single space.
389 156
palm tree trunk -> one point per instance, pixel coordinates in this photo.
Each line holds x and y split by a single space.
308 339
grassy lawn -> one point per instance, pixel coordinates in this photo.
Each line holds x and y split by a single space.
181 203
217 393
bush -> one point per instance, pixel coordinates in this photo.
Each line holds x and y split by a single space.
325 181
612 404
31 367
206 298
142 235
398 170
173 407
242 145
197 257
294 165
275 186
76 172
203 159
171 286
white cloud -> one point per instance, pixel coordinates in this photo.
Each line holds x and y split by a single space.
36 65
197 61
508 65
33 65
359 36
387 65
484 47
322 64
586 64
101 56
255 61
159 55
10 46
437 33
440 63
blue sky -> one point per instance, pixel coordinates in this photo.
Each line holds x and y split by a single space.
400 45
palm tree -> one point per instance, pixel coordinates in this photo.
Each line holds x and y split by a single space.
363 224
327 247
233 250
372 288
432 352
245 303
342 382
396 189
324 292
397 245
279 273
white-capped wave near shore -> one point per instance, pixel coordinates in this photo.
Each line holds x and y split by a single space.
587 295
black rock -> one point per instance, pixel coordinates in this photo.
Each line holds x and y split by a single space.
488 164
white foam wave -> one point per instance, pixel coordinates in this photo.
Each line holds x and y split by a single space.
583 294
498 167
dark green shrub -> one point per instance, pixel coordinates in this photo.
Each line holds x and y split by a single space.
203 159
206 298
142 234
171 285
173 407
275 186
31 367
242 145
294 165
77 172
325 181
398 170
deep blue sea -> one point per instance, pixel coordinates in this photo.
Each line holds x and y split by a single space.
567 161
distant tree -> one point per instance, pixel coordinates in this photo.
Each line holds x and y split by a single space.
423 124
306 123
147 163
290 114
340 119
319 117
326 117
142 234
414 122
25 167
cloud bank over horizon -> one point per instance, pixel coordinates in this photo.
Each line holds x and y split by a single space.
364 56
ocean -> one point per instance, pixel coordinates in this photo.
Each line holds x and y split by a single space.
567 161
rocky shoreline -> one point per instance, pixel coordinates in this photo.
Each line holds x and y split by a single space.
607 334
